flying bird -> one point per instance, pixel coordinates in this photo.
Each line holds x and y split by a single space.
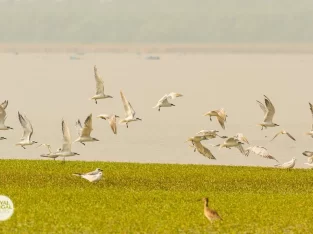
91 178
50 154
112 121
99 87
220 115
202 149
84 132
269 111
310 133
3 116
209 213
27 132
163 102
66 150
284 132
233 142
260 151
290 164
129 111
210 134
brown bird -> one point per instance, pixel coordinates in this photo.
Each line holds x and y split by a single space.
210 214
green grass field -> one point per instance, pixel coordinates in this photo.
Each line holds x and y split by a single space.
154 198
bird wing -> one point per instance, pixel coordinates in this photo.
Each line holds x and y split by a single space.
47 145
3 115
203 150
112 122
311 108
276 135
164 99
221 112
87 127
99 82
27 127
270 110
262 107
241 149
242 138
129 111
231 140
173 95
221 120
307 153
288 134
67 141
4 104
79 127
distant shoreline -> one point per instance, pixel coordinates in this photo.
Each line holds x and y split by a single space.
153 48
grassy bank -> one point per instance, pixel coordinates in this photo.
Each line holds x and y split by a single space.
154 198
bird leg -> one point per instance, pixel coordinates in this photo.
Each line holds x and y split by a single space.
83 143
210 118
23 147
63 159
96 101
159 108
194 150
127 125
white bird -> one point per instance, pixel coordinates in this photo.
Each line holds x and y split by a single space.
91 178
269 112
210 134
3 116
27 131
99 87
220 115
284 132
290 164
308 154
66 150
233 142
84 132
129 111
260 151
242 138
163 102
111 119
95 172
310 133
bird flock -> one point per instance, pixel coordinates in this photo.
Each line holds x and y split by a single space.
85 130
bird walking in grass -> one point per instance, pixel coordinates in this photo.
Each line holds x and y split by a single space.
99 87
112 121
90 177
269 112
284 132
84 132
129 111
209 213
220 115
164 101
288 165
95 172
27 132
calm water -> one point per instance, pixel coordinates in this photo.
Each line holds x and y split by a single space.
48 88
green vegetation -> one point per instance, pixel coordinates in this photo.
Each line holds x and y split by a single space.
154 198
162 21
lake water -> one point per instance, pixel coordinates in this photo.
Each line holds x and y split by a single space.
49 87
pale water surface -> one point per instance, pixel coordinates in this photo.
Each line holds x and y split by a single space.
49 87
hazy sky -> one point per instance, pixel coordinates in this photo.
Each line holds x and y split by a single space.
181 21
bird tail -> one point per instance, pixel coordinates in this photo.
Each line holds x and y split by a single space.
155 106
77 174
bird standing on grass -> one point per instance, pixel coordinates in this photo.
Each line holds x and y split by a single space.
209 213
